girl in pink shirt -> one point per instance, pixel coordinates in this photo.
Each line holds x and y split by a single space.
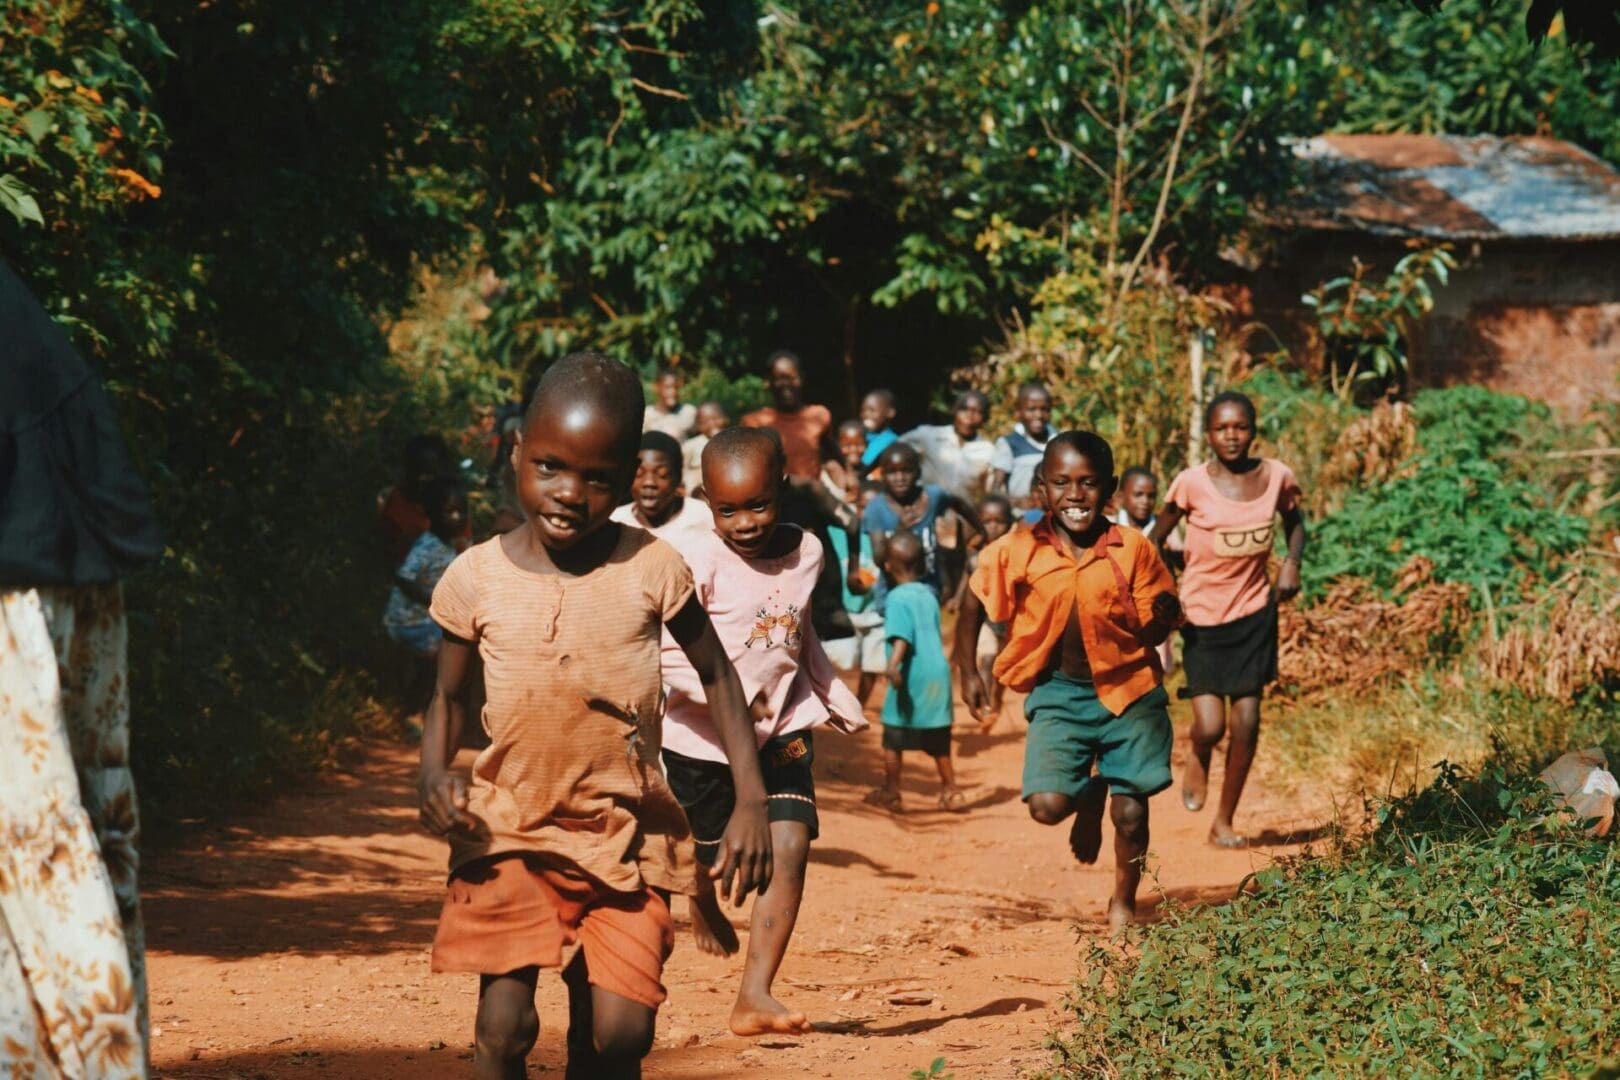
754 578
1229 642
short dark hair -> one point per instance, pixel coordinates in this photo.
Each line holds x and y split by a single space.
1137 470
738 443
1231 397
884 395
1088 444
667 372
784 354
997 499
660 442
963 398
850 425
900 449
1034 386
600 380
907 548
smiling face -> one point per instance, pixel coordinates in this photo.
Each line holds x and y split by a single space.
969 416
900 472
669 391
448 520
1035 411
1139 496
787 384
656 485
1231 432
851 444
1075 491
877 411
745 493
573 465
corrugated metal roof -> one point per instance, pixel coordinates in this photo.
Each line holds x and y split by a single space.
1452 187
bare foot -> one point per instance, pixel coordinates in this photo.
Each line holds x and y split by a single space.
1194 782
1085 835
1223 836
1121 913
711 929
764 1015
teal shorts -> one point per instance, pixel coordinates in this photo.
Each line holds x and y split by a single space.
1070 730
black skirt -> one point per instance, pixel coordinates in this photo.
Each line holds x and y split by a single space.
1233 660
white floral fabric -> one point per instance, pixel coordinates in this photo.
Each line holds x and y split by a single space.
72 972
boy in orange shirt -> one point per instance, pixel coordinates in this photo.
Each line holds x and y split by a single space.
569 831
1087 603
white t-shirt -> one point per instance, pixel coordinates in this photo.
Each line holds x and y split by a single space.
961 468
694 518
1018 455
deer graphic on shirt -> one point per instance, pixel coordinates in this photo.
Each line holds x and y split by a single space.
765 624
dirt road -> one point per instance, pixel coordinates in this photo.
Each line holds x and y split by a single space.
294 941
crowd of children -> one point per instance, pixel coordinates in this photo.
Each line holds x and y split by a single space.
661 634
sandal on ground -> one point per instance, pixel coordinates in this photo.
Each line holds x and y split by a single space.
953 800
888 800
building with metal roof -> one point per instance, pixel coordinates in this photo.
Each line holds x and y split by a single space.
1534 306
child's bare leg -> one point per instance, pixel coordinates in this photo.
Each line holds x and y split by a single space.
1208 728
1085 835
711 930
775 912
507 1025
1130 816
608 1035
863 689
1245 722
891 771
947 772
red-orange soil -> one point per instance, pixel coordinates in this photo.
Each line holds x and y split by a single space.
294 941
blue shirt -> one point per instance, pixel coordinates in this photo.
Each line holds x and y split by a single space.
923 699
882 517
876 443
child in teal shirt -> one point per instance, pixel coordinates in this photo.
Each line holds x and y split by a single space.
917 711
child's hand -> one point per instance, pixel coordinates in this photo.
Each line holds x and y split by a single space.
444 804
974 694
745 853
896 678
1166 609
856 586
1288 580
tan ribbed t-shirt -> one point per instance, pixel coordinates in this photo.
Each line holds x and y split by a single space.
571 678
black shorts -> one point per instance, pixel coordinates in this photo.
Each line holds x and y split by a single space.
707 794
935 742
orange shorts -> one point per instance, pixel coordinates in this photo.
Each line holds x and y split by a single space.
515 911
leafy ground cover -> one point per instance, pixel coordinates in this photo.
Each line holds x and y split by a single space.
1474 933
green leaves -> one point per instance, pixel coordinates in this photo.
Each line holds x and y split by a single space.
16 200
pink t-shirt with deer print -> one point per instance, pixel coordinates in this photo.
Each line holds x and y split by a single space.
761 613
1228 543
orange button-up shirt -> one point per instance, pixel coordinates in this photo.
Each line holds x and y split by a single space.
1029 580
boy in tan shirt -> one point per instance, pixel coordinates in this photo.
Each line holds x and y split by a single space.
568 830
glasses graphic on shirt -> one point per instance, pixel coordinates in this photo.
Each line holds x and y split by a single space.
1248 541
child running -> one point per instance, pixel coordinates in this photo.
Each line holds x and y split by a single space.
754 578
1087 604
1229 644
656 503
908 506
917 712
568 832
406 617
863 650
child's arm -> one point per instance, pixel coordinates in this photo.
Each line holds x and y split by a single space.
899 649
442 793
1166 524
852 562
969 621
964 510
998 482
414 590
1288 577
745 850
1153 591
880 546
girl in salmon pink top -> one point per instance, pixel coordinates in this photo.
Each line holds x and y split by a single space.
1229 642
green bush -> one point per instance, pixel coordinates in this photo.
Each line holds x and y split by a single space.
1470 935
